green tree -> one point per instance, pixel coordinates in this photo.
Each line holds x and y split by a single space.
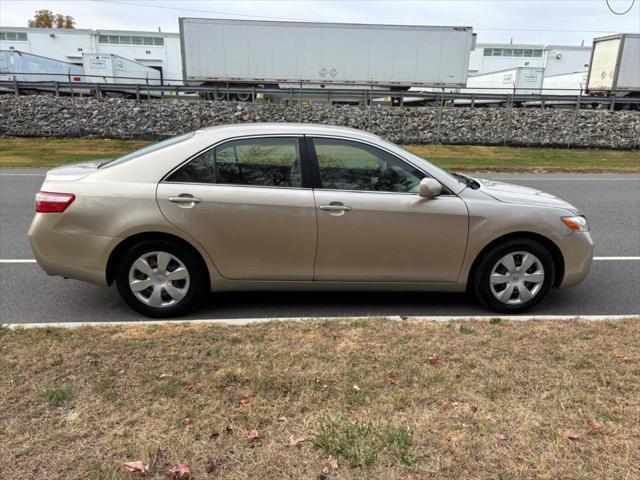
46 19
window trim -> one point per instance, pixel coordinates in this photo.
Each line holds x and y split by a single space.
304 170
315 166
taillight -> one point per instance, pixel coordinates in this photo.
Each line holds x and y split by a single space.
50 202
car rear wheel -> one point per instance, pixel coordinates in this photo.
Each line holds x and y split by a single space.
160 278
514 276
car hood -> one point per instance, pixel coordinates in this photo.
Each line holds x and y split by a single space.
509 193
75 171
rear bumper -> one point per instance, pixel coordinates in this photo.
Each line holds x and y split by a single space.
577 251
70 254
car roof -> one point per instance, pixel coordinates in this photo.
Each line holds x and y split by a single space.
241 129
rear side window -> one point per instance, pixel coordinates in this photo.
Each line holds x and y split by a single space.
265 162
347 165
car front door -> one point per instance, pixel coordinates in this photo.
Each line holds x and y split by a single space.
373 225
245 202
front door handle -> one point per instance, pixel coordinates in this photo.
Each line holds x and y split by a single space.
335 207
184 199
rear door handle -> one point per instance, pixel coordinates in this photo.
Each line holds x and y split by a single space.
184 199
335 207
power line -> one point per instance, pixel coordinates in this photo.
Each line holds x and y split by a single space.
621 13
231 14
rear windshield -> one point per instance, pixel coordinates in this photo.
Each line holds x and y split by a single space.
148 149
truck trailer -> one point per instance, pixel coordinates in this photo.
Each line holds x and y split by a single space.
615 65
111 68
323 55
519 80
565 84
27 67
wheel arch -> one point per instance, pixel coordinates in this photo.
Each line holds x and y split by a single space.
118 251
554 250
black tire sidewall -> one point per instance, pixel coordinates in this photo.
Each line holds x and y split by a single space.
191 262
481 286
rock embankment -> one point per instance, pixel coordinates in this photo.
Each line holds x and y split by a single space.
130 119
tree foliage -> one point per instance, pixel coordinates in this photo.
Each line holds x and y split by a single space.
47 19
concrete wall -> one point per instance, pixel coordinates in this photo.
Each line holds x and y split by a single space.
124 119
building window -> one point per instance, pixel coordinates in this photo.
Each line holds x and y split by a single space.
507 52
517 53
537 53
497 52
487 52
130 40
528 53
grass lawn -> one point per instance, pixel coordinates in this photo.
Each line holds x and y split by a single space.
47 152
324 399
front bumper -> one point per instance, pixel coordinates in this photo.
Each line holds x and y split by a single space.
67 253
577 251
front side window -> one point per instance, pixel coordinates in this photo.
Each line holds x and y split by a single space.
265 162
347 165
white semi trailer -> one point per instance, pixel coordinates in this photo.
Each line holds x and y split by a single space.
565 84
519 80
243 52
27 67
111 68
615 65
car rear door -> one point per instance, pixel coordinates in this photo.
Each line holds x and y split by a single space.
245 201
373 225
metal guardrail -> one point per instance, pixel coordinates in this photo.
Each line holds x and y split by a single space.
364 95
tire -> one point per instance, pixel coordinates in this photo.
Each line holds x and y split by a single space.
169 292
519 288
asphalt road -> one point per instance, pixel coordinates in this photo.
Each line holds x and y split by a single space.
611 202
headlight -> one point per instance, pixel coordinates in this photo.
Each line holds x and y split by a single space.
577 224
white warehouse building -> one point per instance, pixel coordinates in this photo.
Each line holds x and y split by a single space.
158 50
555 59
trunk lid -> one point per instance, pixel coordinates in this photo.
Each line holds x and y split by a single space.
76 171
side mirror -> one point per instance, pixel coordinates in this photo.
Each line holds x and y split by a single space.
430 188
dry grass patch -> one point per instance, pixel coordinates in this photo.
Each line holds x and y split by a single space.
388 400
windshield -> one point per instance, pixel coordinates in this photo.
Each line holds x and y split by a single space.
148 149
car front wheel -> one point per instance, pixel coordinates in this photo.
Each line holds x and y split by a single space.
159 278
514 276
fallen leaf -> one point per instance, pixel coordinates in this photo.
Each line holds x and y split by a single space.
434 360
294 441
137 467
228 429
596 426
500 436
412 476
188 421
393 380
214 435
623 358
211 467
192 386
244 400
179 470
283 419
571 434
253 435
331 465
456 437
356 387
166 375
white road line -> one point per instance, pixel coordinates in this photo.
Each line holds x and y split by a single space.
608 259
22 174
247 321
535 179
